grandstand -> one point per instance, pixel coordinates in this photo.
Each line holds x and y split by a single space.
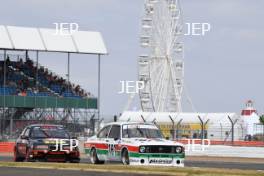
25 79
31 93
27 87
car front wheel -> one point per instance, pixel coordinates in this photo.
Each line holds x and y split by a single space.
17 158
94 158
74 160
28 158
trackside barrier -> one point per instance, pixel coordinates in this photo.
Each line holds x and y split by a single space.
7 147
235 143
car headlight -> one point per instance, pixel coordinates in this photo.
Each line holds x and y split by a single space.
43 147
178 149
142 149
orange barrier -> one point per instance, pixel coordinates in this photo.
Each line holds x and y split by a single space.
235 143
7 147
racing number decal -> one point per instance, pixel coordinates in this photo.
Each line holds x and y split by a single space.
111 150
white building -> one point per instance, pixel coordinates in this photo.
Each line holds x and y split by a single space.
218 126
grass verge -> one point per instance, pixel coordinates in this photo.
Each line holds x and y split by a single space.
137 169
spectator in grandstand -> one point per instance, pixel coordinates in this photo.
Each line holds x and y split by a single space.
19 64
50 79
81 93
63 89
77 89
22 93
29 62
46 72
12 84
25 83
55 78
41 70
46 79
20 84
35 90
61 81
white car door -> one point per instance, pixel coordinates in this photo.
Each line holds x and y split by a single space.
102 151
113 140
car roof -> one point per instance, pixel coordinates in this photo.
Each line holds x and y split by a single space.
40 125
128 123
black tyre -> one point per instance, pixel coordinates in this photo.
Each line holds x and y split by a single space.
17 158
94 158
75 161
28 159
125 157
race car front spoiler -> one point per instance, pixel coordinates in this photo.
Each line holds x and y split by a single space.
177 162
58 156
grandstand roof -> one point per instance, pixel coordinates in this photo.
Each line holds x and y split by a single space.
43 39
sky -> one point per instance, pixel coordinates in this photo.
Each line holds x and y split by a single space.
223 68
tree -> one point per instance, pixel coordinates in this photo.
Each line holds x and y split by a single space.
261 119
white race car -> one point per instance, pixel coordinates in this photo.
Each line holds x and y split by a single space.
134 144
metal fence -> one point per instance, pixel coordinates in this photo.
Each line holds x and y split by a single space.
76 129
79 122
221 132
86 124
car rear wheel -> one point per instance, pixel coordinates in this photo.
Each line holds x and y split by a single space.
125 157
94 158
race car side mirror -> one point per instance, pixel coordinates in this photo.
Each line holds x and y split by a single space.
24 137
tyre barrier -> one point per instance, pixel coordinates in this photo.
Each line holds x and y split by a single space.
7 147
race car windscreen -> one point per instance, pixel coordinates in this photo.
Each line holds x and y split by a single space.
141 131
49 132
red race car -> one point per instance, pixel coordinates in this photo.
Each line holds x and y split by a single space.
46 143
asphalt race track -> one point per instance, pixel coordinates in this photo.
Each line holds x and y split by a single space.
225 165
9 171
202 164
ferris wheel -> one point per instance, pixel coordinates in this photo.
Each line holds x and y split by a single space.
161 67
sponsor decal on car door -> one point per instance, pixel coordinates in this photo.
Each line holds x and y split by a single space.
113 140
111 149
